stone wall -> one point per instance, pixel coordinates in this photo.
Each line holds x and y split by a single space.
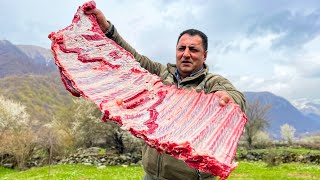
280 157
93 156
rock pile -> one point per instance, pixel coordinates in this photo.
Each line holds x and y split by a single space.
281 157
97 157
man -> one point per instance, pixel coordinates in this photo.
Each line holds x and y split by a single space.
189 72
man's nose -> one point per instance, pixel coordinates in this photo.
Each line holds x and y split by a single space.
186 53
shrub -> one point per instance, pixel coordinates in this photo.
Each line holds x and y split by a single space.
310 141
82 122
272 158
21 145
55 140
287 133
17 137
262 140
257 121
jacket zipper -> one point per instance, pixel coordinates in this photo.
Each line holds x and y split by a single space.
159 165
199 175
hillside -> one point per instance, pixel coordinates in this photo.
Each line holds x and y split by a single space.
29 75
24 59
42 95
13 60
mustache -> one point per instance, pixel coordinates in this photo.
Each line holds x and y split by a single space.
184 60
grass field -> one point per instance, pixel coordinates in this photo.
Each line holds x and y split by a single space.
259 170
301 151
245 171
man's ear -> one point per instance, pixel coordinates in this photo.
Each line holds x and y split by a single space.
205 55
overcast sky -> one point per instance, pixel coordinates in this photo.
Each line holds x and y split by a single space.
259 45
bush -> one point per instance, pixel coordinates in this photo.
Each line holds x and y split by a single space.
272 158
287 133
82 123
262 140
55 140
132 144
21 145
310 141
17 138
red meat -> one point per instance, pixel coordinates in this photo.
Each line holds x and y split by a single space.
188 125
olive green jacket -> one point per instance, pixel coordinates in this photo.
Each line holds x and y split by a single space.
163 166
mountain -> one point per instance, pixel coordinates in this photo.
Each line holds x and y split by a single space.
307 106
283 112
28 75
43 95
310 108
40 55
13 60
24 59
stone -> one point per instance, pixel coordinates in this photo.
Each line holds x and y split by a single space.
8 165
87 164
102 167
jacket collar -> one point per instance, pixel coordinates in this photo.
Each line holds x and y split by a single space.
201 73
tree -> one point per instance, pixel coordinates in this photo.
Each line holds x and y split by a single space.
123 141
262 139
13 116
287 133
17 137
82 122
88 128
87 125
257 120
55 139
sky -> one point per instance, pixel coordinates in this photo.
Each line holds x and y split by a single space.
258 45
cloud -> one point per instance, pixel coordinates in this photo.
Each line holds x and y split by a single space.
259 45
285 80
284 73
296 28
309 65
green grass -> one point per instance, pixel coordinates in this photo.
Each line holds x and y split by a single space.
4 171
245 171
76 172
301 151
259 170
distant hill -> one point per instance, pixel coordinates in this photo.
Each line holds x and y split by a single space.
28 75
24 59
43 95
282 112
307 106
310 108
39 55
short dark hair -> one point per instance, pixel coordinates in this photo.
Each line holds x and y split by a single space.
193 32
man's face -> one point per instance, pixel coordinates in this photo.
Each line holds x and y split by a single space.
190 55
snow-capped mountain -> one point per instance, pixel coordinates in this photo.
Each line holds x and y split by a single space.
307 106
283 112
25 59
37 53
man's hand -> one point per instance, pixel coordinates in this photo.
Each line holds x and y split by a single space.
224 97
101 19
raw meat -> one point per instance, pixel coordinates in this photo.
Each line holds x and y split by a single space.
186 124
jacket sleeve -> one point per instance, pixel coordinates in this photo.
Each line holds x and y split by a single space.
219 83
145 62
